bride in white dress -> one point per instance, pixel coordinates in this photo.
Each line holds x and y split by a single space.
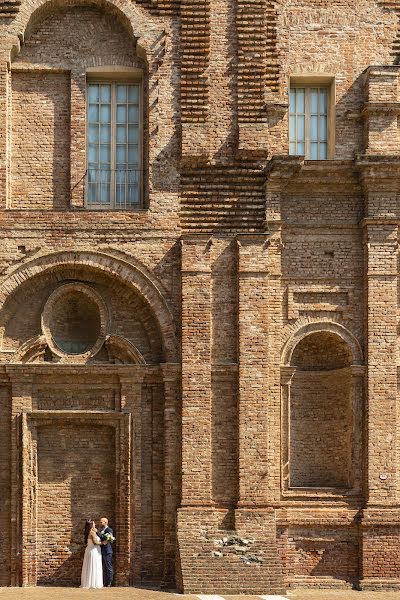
92 568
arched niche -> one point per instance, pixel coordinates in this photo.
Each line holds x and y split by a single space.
321 402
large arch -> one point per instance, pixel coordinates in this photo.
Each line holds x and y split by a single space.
304 329
146 29
131 273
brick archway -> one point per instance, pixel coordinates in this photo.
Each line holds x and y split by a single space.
147 29
305 329
134 275
322 405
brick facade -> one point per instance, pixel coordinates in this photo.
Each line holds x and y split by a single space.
234 406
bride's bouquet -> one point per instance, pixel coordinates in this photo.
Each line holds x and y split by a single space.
108 538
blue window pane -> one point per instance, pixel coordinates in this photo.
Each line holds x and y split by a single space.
121 113
323 101
314 151
93 113
300 129
292 101
133 193
323 151
292 128
93 153
314 101
92 190
93 93
121 93
104 175
105 153
133 155
105 93
314 129
93 134
104 193
105 113
322 129
292 148
132 134
300 100
105 133
121 153
121 134
300 150
133 114
92 175
133 94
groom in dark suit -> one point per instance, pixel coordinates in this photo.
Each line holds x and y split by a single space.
106 552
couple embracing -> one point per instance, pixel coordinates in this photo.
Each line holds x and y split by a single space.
97 568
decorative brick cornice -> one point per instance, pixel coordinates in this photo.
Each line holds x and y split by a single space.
258 67
379 172
393 5
195 50
9 8
226 198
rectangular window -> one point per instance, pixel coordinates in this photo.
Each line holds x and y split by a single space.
308 122
113 145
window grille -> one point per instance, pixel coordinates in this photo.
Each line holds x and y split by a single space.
113 146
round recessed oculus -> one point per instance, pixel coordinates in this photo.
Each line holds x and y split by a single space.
74 321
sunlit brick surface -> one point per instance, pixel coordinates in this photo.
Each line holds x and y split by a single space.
229 395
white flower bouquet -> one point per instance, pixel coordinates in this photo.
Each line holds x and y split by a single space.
108 538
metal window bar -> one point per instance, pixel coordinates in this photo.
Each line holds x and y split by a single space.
113 177
121 185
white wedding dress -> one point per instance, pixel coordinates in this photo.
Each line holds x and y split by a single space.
92 568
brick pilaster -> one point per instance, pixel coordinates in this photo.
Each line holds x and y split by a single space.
172 434
196 372
21 391
131 402
253 369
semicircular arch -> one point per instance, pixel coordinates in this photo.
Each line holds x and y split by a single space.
331 327
131 274
138 21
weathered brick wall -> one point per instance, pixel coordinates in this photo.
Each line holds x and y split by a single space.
320 429
296 267
76 480
40 140
5 454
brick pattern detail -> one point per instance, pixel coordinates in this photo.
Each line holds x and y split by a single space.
258 66
9 8
227 197
249 374
89 460
395 6
40 173
195 50
255 567
161 7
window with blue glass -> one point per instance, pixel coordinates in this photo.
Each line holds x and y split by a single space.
113 145
308 122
